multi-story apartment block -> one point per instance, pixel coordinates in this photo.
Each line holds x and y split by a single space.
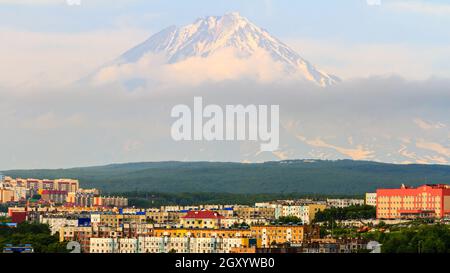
55 196
113 201
6 195
103 245
280 234
164 217
255 212
343 203
201 233
202 219
44 184
79 234
150 244
56 222
308 212
117 220
371 199
427 201
10 193
230 222
292 210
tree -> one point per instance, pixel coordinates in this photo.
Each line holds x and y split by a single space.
417 239
289 220
38 235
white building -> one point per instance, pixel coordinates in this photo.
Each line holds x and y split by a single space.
95 219
230 221
103 245
57 222
343 203
292 210
147 244
128 245
371 199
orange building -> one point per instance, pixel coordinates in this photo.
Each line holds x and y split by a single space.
201 233
427 201
280 234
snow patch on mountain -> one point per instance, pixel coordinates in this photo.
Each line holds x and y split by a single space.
221 47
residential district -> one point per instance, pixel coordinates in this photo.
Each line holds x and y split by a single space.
106 224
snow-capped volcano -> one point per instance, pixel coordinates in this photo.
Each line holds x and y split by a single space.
210 35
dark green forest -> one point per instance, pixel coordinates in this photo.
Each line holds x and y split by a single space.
284 177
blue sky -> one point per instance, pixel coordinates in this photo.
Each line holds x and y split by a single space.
352 20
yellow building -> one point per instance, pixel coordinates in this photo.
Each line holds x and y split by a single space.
164 217
250 212
117 220
309 211
280 234
202 219
6 195
201 233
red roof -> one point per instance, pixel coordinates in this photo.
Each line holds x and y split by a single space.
53 192
203 214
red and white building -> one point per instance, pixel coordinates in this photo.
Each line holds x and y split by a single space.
202 219
426 201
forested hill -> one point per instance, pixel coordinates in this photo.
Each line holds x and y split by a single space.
293 176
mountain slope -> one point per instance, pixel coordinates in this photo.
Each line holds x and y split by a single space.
212 35
299 176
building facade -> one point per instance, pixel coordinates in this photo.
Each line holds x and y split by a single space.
202 219
371 199
343 203
427 201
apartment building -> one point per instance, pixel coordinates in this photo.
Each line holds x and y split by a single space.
79 234
117 220
426 201
202 219
55 196
255 212
343 203
113 201
201 233
278 234
230 222
56 222
43 184
371 199
151 244
6 195
308 212
164 217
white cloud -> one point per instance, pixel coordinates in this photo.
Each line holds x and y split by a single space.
38 59
357 153
427 125
423 7
353 60
433 146
223 65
